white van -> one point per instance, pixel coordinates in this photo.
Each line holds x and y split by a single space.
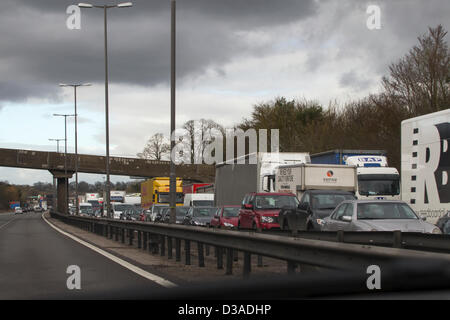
199 200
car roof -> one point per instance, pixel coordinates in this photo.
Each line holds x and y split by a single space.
273 194
358 201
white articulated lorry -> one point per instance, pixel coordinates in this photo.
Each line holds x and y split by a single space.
376 180
425 165
298 178
251 173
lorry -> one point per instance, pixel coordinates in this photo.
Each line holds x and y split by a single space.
199 200
250 173
298 178
425 164
117 196
134 198
193 187
375 179
156 191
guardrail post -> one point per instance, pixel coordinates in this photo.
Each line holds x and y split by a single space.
235 255
139 242
207 250
201 258
397 241
163 245
154 243
340 236
123 234
187 252
178 249
144 241
130 236
247 264
169 248
229 270
116 233
291 267
260 261
219 254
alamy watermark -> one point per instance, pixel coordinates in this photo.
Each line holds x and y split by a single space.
373 21
214 146
374 280
74 280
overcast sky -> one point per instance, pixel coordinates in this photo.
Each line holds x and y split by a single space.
230 55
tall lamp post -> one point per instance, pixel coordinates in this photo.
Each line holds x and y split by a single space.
105 7
65 152
173 178
75 86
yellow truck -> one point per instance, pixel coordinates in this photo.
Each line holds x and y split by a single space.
156 191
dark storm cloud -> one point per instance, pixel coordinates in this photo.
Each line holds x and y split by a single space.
37 50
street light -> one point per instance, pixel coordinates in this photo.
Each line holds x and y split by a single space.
75 86
65 153
105 7
57 143
173 177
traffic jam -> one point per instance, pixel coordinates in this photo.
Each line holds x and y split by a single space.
348 190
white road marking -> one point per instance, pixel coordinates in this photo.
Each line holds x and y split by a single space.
4 225
152 277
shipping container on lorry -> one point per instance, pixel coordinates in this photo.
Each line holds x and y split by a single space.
193 187
298 178
156 191
375 179
425 164
251 173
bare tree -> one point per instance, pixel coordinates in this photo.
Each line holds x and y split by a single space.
157 148
419 81
198 132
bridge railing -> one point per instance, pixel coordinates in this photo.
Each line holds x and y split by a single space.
166 239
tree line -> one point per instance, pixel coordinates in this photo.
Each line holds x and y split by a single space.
416 84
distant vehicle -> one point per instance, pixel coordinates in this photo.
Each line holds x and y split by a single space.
375 179
133 199
376 215
18 210
314 206
37 209
155 210
192 188
180 214
199 200
250 173
156 191
425 164
86 209
226 216
260 210
199 216
132 214
161 215
119 208
117 196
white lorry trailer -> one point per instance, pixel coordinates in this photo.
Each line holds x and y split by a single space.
298 178
425 164
251 173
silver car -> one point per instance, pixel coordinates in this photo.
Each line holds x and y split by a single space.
376 215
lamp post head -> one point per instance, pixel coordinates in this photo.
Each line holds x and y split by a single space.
85 5
125 5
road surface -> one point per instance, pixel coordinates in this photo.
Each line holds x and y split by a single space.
35 257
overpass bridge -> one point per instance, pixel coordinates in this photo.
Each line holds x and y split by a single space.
55 163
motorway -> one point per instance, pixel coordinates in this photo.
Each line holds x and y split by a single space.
34 259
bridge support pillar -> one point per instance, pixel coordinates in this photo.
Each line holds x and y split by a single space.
62 192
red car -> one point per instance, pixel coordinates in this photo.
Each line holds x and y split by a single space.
260 210
226 217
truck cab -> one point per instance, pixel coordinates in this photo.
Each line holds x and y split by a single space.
375 179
